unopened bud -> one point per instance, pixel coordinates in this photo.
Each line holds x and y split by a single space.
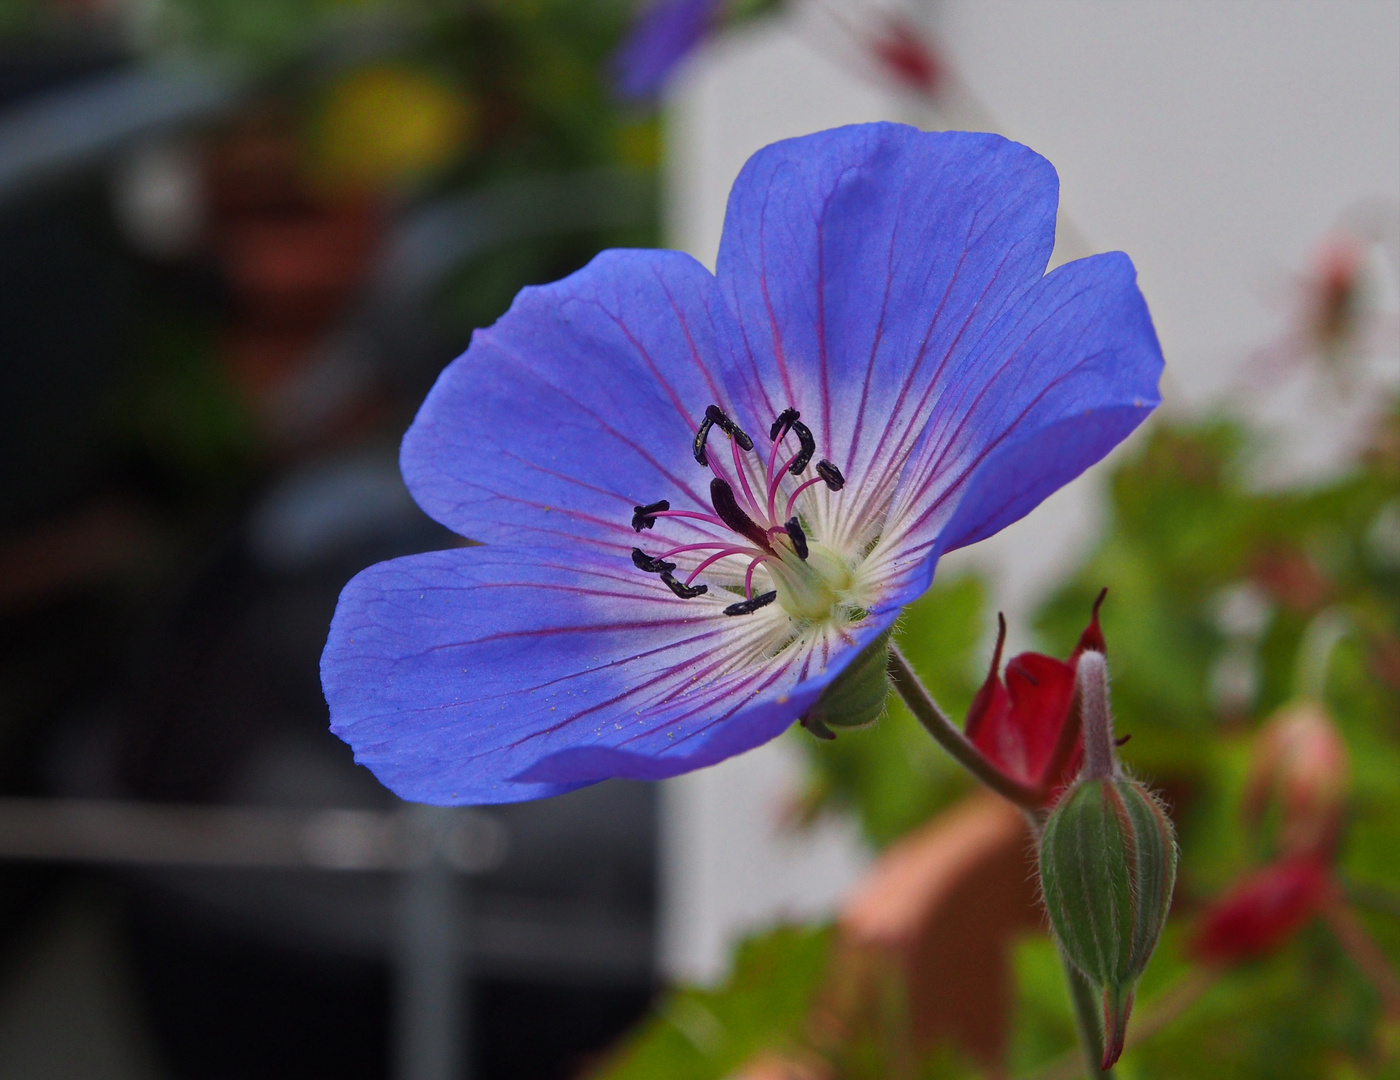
856 697
1107 868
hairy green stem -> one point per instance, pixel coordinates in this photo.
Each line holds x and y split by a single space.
1086 1015
949 736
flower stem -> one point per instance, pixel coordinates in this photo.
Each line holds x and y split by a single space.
1086 1016
949 736
1164 1010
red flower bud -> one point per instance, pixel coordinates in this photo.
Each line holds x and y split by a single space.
1263 910
1022 723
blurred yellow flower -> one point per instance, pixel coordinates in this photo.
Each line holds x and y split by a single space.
381 126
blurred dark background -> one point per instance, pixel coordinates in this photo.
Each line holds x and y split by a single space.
238 240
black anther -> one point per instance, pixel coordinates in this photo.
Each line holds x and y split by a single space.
831 475
1123 741
685 592
732 514
644 517
797 536
715 415
817 728
783 423
809 447
748 607
642 561
698 448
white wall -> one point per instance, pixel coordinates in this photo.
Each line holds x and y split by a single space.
1213 141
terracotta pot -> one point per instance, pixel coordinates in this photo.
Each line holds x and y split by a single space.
940 909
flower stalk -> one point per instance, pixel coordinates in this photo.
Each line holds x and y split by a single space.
1086 1019
949 736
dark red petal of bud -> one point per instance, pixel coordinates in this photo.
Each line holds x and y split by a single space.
1042 690
1262 910
988 708
1017 722
1092 638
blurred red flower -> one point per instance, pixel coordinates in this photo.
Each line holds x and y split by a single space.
1263 910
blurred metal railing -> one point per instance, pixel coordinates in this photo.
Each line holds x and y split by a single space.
428 846
103 831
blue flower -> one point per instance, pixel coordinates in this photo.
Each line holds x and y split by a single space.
700 496
664 34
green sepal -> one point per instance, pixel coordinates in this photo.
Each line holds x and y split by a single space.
856 697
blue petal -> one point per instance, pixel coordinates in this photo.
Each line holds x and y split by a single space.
863 263
1053 387
580 403
665 33
485 674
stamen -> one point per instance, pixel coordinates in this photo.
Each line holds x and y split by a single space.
748 607
783 423
698 447
797 536
644 517
729 511
752 520
716 415
831 474
809 447
792 499
685 592
642 561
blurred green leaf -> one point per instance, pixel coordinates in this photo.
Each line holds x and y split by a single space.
706 1034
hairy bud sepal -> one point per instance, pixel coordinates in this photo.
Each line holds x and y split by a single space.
856 697
1107 868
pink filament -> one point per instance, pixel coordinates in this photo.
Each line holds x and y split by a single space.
744 477
800 489
703 547
748 577
715 557
774 484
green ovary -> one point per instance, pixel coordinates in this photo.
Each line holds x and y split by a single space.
810 590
